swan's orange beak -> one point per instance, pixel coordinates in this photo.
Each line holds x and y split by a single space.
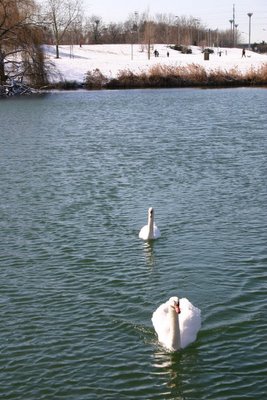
177 308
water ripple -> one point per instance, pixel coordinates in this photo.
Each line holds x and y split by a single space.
78 287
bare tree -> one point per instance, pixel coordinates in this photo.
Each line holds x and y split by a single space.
94 28
62 15
115 33
20 40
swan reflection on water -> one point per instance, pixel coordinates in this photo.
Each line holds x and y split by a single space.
149 254
168 365
175 370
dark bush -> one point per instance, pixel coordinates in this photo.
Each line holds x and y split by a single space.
207 50
182 49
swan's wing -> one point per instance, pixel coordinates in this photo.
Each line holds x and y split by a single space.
143 234
156 232
161 323
189 322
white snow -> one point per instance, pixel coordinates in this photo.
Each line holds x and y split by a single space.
76 61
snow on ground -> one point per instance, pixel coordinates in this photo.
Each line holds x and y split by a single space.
76 61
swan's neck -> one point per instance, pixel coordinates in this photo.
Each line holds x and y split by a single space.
175 341
150 227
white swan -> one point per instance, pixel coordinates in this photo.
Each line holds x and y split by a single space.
176 323
150 231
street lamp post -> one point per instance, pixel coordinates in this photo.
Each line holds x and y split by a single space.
196 27
178 38
134 30
136 15
249 31
231 22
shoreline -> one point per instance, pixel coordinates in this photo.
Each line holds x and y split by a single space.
80 88
160 76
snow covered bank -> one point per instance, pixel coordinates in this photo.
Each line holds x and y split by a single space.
76 61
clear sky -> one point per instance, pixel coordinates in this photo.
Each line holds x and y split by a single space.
212 13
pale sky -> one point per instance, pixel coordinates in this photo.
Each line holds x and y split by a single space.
212 13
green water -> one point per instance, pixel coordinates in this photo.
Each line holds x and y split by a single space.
78 172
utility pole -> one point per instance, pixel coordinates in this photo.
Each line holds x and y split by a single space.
235 36
233 26
136 14
233 14
176 16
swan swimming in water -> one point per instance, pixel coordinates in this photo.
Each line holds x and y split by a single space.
150 231
176 323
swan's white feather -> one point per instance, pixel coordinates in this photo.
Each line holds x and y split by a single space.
144 232
161 322
189 323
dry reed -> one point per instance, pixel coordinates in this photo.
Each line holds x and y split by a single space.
192 75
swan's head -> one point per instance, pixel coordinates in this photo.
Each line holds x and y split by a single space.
150 212
175 304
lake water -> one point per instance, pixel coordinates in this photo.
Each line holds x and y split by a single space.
78 172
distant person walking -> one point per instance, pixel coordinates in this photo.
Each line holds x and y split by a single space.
243 53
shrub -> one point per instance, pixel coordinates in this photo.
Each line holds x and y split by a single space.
95 79
182 49
64 85
207 50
